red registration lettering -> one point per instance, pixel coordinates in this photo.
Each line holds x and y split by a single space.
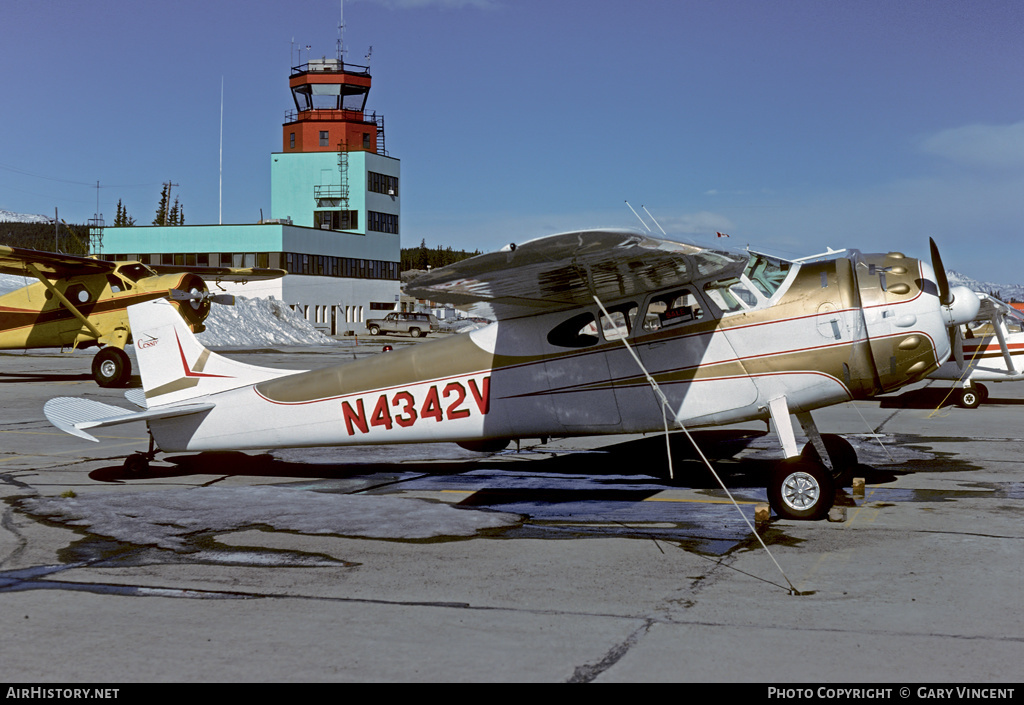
460 396
357 417
408 409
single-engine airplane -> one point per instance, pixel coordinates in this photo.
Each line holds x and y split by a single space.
79 302
596 332
993 351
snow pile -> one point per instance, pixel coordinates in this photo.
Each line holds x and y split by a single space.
259 322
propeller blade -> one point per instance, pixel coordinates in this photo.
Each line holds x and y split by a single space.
940 275
224 299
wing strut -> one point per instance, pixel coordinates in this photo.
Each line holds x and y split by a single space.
663 400
64 301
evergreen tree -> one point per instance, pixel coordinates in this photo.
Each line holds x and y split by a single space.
122 219
161 209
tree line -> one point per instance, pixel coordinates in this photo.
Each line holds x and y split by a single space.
424 257
68 239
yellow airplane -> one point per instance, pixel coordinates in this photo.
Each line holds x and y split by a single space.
79 302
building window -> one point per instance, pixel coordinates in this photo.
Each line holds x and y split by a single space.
382 183
382 222
325 139
336 220
291 141
366 140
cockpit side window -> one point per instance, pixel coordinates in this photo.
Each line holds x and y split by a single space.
670 309
619 321
580 331
730 295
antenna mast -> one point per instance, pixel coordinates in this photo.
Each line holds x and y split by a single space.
341 35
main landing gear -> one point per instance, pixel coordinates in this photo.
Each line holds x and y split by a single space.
972 397
803 486
111 367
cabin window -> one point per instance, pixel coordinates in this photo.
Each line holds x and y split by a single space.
619 321
577 332
671 309
730 294
77 294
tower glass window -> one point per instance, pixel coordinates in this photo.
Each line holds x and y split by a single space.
324 138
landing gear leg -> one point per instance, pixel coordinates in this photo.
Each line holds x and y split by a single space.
833 451
138 462
800 487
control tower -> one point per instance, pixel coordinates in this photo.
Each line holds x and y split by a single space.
333 172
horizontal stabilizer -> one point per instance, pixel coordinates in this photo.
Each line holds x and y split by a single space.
73 415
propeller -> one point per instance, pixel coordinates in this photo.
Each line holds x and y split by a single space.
946 298
198 296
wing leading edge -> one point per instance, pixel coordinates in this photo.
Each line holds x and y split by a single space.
565 271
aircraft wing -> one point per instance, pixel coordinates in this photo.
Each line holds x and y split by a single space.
16 260
222 274
565 271
992 308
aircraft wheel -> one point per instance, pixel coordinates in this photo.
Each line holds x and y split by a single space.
489 445
840 452
982 391
111 367
801 489
414 332
136 463
970 398
374 330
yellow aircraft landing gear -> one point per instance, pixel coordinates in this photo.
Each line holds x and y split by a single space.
111 367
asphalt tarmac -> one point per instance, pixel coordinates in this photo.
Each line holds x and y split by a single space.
573 561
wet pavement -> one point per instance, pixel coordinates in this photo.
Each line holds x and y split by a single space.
571 561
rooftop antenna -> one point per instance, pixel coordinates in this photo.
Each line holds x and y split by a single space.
638 217
341 34
655 221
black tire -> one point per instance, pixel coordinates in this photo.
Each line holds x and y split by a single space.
414 332
374 330
801 489
969 398
840 452
136 463
983 391
111 367
490 445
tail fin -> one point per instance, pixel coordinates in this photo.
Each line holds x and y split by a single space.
174 366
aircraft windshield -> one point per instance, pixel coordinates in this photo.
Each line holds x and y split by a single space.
135 271
766 273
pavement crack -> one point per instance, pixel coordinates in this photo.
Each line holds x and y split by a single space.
587 673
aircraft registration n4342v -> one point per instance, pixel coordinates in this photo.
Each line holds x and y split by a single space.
596 332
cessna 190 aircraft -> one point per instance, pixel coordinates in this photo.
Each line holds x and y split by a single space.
78 302
596 332
992 351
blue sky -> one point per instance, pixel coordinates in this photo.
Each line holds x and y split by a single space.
792 125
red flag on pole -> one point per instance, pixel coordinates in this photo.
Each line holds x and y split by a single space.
722 234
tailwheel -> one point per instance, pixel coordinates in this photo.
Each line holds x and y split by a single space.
801 489
137 463
111 367
842 455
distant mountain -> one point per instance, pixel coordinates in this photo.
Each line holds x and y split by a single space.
10 217
1006 292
